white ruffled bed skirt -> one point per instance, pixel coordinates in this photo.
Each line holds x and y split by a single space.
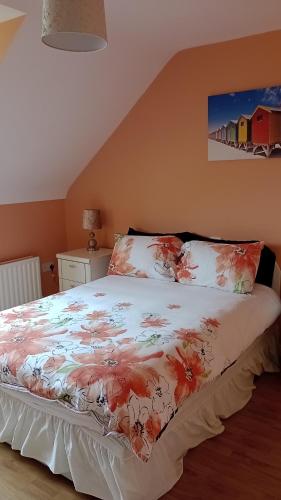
108 470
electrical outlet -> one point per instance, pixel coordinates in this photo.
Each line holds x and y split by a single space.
46 267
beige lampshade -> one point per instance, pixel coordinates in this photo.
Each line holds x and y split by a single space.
74 25
91 219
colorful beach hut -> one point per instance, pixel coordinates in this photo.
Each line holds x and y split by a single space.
223 133
266 128
213 135
244 131
231 132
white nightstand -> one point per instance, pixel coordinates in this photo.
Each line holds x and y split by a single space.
80 266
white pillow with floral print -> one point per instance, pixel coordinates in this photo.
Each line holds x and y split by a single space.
226 266
146 256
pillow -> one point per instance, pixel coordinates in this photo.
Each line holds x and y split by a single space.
146 257
229 267
267 260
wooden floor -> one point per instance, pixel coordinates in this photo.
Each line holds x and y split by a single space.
243 463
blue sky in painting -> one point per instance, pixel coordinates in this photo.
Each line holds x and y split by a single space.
225 107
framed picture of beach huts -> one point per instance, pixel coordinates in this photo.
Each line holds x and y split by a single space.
245 125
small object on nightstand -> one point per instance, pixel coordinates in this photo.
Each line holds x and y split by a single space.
91 221
80 266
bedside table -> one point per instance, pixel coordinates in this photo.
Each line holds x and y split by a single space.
80 266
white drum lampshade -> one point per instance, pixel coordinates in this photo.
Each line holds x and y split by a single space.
74 25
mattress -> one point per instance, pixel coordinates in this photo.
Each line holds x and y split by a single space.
116 314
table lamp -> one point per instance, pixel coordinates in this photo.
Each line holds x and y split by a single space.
91 221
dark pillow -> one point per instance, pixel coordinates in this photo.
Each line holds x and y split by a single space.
267 260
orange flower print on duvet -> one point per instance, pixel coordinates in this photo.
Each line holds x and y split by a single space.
97 315
209 325
23 314
25 342
121 372
54 363
142 427
34 372
97 333
75 307
34 383
154 321
188 336
187 368
238 263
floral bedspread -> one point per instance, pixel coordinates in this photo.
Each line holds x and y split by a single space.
127 350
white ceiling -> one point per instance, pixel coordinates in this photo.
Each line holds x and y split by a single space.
58 108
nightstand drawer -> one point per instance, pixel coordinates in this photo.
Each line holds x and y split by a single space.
67 285
73 271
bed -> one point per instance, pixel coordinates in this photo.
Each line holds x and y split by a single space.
103 434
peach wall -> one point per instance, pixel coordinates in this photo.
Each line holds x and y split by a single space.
153 172
33 229
10 22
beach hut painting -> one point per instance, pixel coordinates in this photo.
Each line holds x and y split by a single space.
245 125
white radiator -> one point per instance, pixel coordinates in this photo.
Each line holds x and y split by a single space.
20 282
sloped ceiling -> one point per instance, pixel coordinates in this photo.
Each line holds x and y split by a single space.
10 22
58 108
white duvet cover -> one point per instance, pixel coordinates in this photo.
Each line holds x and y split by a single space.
243 317
130 350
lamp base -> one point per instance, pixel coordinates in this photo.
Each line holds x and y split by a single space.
92 243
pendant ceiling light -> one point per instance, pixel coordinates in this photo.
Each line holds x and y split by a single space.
74 25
